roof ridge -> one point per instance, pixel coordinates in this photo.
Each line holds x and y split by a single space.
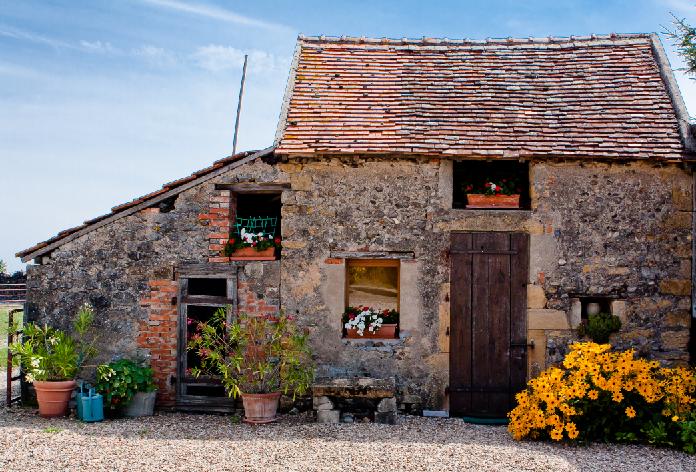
429 41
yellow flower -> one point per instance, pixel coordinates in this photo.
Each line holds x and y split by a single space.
675 418
557 434
572 430
630 412
592 394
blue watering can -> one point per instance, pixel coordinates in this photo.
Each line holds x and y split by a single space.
90 405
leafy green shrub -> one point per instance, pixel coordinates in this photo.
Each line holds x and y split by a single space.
119 381
253 354
687 433
599 327
49 354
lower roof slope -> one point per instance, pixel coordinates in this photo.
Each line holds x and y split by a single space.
595 96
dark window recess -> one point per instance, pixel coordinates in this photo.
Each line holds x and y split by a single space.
260 205
208 287
168 205
206 390
477 173
594 304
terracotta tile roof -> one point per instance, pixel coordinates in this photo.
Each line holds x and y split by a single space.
594 96
123 208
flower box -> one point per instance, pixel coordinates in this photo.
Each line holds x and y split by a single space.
251 254
479 200
386 331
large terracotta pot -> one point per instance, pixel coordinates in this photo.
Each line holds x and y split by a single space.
251 254
479 200
386 331
53 397
260 407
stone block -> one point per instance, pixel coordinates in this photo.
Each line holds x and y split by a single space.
386 404
575 317
536 298
410 299
301 182
681 197
675 287
547 319
322 403
388 417
536 356
675 340
680 319
329 416
618 308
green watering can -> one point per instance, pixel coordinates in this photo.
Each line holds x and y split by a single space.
90 405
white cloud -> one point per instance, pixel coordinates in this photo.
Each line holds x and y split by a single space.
98 47
216 58
22 35
216 13
155 56
680 7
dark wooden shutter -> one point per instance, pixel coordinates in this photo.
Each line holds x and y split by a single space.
488 322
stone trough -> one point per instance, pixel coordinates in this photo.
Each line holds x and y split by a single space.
355 399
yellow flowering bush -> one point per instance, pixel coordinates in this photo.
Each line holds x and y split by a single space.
600 394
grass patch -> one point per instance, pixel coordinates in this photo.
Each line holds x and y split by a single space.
52 429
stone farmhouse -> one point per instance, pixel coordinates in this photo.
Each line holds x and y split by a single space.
368 183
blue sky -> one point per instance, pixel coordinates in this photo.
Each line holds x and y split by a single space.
102 101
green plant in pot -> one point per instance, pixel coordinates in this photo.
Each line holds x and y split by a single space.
52 358
128 387
257 357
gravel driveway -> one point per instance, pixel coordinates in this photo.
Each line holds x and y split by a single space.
173 441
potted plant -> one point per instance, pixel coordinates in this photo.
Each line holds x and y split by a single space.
503 193
252 247
366 322
51 359
128 387
257 357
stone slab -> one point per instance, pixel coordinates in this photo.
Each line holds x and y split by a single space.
328 416
360 387
547 319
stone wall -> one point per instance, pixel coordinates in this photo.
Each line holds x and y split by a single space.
619 230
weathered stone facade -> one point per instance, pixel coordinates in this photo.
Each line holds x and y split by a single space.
617 230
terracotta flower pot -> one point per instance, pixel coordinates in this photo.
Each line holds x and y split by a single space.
386 331
479 200
251 254
260 408
53 397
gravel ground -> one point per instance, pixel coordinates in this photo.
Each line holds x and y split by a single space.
173 442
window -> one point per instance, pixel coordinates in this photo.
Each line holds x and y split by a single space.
258 212
473 177
590 305
373 283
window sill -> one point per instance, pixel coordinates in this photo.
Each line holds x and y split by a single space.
489 211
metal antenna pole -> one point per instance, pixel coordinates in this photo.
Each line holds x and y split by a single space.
239 106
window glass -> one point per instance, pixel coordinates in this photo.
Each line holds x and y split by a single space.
373 284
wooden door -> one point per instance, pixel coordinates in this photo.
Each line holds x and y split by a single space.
488 326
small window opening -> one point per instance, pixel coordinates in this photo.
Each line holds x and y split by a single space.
258 213
373 284
590 305
472 179
194 315
208 287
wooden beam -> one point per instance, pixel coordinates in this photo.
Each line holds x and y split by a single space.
254 187
146 204
372 255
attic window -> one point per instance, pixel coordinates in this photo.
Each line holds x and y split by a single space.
491 185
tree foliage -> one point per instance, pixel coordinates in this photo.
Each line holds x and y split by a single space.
684 38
